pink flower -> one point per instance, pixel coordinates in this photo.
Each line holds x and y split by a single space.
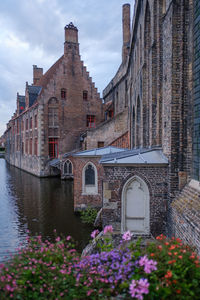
108 228
89 292
139 287
94 233
149 265
127 236
68 237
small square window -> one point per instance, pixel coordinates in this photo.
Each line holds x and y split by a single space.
110 113
85 95
63 94
100 144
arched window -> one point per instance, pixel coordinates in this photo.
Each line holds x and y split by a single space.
154 76
133 128
146 99
53 112
89 177
138 124
67 168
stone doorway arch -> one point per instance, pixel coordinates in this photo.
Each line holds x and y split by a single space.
135 206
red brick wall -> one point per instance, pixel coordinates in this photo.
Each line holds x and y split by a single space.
122 142
81 200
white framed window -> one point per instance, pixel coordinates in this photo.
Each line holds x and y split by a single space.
89 179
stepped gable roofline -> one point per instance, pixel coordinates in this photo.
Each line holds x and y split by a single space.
71 26
136 156
44 80
98 151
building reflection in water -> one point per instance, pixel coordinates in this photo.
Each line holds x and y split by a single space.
37 204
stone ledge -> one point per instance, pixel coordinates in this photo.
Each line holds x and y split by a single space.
195 184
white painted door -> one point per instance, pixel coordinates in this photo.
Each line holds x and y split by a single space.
136 206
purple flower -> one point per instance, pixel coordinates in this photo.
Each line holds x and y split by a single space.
108 228
127 236
132 288
94 233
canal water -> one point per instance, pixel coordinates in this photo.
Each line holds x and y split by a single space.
39 205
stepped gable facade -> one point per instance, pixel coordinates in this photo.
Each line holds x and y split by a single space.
56 109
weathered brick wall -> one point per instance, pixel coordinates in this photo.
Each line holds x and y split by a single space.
156 179
122 142
108 131
196 91
81 200
186 216
74 109
18 153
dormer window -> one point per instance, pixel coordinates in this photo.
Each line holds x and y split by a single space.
63 94
85 95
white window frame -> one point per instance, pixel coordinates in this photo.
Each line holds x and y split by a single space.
93 188
68 160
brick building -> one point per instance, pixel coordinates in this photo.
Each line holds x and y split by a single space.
158 80
152 106
56 109
88 175
156 89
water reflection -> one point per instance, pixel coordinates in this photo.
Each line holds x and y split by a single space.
39 205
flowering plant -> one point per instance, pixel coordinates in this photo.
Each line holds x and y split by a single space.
164 269
178 269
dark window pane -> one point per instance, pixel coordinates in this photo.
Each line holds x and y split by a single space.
89 175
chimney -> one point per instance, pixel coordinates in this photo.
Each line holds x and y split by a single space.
71 44
126 31
37 74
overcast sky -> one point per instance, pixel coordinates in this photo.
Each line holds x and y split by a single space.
32 33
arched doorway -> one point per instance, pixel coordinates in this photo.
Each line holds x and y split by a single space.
135 206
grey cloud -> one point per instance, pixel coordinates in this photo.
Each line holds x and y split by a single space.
40 24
